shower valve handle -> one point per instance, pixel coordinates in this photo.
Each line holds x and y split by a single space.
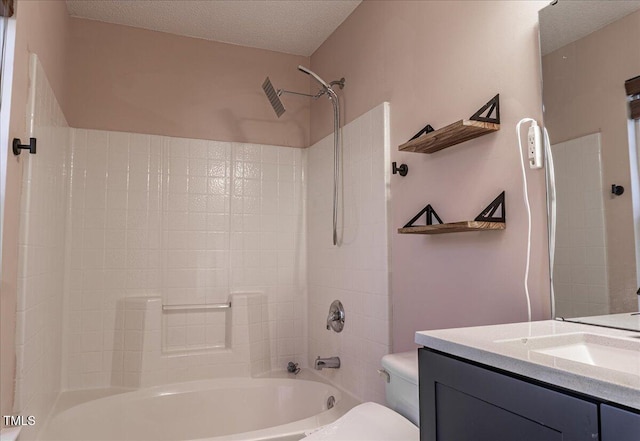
335 319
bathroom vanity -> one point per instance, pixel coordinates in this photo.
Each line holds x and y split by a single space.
547 380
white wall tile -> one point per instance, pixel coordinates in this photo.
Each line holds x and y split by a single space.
356 272
154 214
42 244
580 259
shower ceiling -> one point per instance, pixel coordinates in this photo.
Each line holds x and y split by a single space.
296 27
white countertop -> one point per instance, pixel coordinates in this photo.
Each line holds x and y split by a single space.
506 347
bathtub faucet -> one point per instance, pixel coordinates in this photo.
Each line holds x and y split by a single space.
331 362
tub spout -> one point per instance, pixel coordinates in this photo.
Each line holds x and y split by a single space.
331 362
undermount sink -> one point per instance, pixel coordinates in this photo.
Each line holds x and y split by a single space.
619 354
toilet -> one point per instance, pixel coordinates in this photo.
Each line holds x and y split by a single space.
372 421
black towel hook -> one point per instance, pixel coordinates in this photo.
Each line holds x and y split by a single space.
617 189
402 170
18 147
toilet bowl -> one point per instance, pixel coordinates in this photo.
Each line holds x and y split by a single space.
374 422
368 422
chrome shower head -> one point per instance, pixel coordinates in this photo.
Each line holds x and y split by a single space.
273 96
314 75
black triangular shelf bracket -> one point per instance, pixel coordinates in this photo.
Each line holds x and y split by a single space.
488 110
430 212
489 213
426 129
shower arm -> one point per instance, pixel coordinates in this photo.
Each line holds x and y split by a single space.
315 97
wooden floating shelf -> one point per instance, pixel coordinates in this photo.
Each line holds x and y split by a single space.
453 134
454 227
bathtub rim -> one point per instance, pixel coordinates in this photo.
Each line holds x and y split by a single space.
70 399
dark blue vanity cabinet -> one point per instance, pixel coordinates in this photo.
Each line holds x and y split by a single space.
460 400
619 424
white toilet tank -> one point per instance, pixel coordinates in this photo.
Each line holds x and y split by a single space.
402 388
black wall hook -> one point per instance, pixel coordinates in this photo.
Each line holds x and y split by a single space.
402 170
617 189
17 147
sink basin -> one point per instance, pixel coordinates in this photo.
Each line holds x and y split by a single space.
618 354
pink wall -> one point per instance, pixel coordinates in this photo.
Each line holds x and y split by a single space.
41 27
437 62
135 80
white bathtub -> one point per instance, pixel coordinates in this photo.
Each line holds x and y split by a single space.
220 409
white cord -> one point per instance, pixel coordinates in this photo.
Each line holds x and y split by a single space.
526 200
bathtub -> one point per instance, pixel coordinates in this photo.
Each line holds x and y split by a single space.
220 409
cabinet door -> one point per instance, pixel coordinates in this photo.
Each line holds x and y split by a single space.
618 424
463 401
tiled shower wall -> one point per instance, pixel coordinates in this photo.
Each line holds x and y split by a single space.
580 265
41 254
115 241
111 216
357 271
188 220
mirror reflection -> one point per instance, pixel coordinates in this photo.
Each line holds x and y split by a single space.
589 50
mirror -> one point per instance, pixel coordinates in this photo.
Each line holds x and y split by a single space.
589 49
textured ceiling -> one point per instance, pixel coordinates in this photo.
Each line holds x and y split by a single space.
570 20
292 26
